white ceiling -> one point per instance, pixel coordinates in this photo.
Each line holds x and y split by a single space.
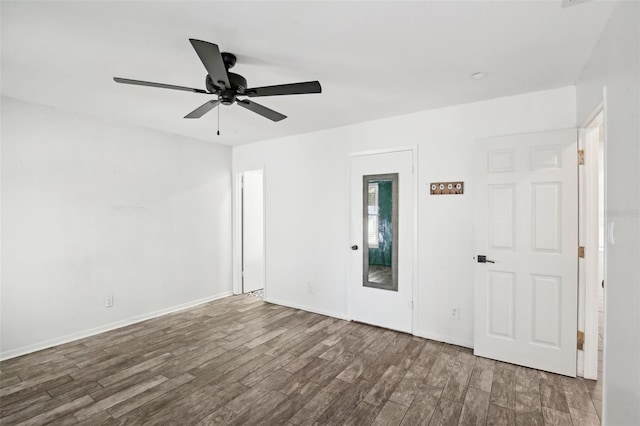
373 59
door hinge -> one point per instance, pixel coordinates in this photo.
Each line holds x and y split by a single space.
580 344
581 252
581 157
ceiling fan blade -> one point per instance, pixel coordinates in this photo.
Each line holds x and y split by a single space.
262 110
203 109
160 85
212 60
285 89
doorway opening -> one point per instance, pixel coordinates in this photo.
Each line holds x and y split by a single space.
249 271
593 225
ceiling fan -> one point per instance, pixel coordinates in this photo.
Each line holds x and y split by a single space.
229 86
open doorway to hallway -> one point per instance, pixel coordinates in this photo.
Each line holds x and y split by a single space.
250 219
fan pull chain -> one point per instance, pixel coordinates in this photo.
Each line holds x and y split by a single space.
218 120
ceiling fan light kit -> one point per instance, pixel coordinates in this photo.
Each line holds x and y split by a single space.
229 86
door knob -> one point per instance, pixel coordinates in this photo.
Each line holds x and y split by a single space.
483 259
354 247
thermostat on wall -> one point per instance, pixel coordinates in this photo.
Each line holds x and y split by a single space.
446 188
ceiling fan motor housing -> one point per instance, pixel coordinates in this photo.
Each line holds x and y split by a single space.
227 97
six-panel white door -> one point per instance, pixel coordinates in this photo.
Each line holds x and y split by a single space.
526 221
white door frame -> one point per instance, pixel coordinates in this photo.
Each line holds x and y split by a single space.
347 242
236 225
588 271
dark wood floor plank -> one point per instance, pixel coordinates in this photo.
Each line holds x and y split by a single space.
423 406
127 372
255 413
9 380
475 407
409 385
456 387
58 412
8 409
391 414
291 404
500 416
268 369
313 409
577 394
147 410
345 403
552 393
583 418
503 388
446 413
119 397
19 393
38 408
221 416
556 418
363 415
276 380
384 388
195 406
358 366
410 353
305 358
439 373
120 409
482 377
240 360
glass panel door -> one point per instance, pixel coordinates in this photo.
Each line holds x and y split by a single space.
380 225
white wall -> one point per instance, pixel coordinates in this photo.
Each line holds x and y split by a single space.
614 65
306 188
92 209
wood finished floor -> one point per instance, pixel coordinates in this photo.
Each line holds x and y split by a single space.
241 361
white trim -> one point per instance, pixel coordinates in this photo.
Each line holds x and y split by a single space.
605 394
440 338
306 308
416 232
107 327
596 111
384 150
418 333
414 260
236 240
591 243
581 242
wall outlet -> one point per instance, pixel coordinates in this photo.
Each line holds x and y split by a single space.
108 302
311 289
455 312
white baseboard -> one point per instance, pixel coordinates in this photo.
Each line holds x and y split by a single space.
107 327
306 308
445 339
418 333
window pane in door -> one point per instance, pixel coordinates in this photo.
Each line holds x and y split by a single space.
380 225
